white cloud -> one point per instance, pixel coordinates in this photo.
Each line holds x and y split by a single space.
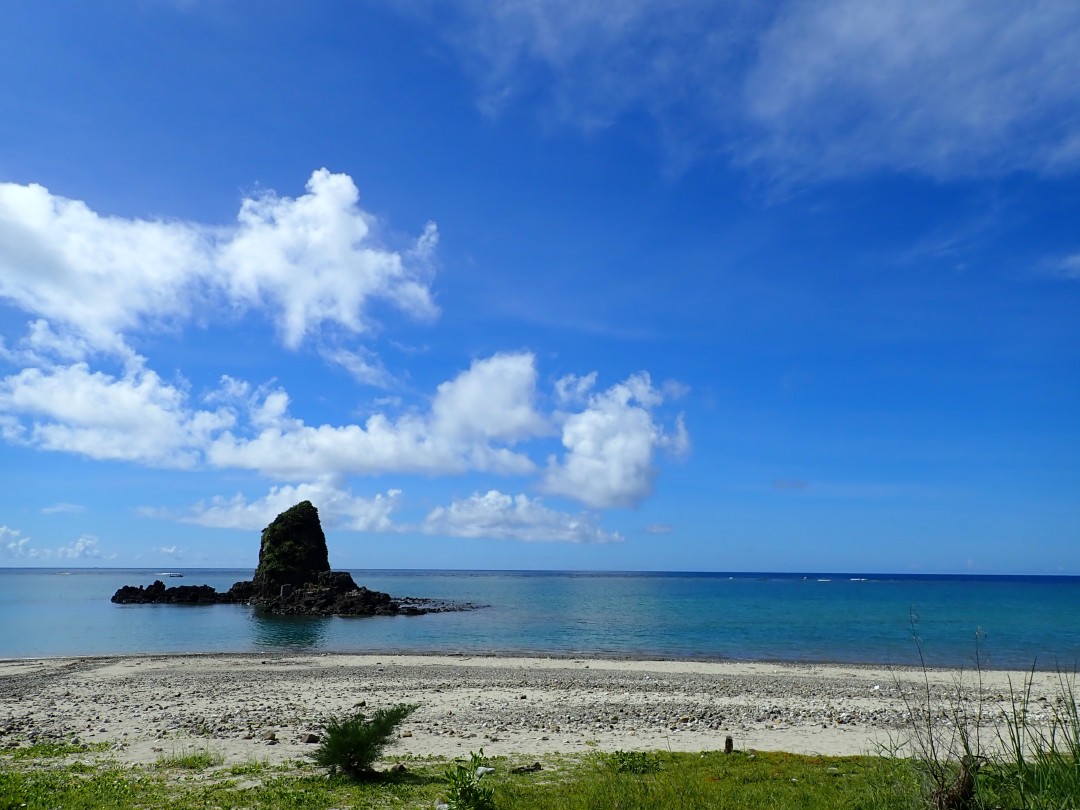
484 406
100 276
659 528
13 544
86 547
312 260
170 551
307 262
135 417
573 389
499 516
950 88
1069 267
611 447
337 507
63 509
483 420
362 365
494 399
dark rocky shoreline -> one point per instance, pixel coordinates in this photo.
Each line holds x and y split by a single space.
341 599
293 579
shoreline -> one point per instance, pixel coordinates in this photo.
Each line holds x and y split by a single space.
263 705
546 655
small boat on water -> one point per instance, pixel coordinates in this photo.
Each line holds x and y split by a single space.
169 574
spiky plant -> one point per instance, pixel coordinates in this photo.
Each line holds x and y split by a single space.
352 744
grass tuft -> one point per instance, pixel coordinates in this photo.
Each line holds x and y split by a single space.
191 759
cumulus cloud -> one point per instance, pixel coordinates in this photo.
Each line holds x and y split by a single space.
99 276
472 416
485 419
134 417
611 446
86 547
514 517
337 507
494 399
13 544
308 262
952 88
311 260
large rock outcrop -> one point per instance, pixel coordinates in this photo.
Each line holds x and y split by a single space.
293 551
293 578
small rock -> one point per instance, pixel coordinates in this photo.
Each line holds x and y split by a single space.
406 734
536 766
269 735
399 768
310 738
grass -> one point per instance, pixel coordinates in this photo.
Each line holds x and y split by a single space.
975 753
190 759
594 780
53 750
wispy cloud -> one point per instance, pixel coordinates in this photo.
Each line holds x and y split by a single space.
1068 268
63 509
836 88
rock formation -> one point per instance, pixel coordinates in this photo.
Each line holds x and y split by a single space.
293 578
293 551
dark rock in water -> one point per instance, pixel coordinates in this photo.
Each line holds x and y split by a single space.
293 578
293 551
158 593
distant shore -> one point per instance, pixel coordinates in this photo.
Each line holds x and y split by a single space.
264 706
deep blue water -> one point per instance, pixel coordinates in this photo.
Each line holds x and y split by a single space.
850 618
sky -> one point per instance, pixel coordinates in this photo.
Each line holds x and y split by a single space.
537 284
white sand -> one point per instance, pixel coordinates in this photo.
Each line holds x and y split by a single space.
149 706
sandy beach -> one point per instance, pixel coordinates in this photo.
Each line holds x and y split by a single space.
267 707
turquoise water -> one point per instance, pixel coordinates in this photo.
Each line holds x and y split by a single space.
774 617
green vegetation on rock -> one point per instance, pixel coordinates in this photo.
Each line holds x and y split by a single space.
293 550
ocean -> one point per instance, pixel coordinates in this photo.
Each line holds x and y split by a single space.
1009 622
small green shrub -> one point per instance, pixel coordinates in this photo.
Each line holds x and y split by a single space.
631 762
191 759
466 792
353 744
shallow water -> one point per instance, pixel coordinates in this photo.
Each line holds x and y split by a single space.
851 618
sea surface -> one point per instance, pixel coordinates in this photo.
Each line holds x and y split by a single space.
1008 622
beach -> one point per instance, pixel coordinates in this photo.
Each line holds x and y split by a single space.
271 707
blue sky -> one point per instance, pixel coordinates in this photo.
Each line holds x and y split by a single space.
541 284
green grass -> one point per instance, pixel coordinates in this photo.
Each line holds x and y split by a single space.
53 750
595 781
190 759
711 780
